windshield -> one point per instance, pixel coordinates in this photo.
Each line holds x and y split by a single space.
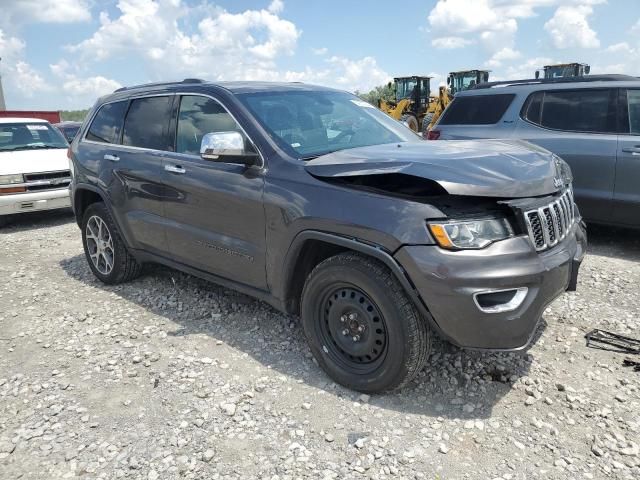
406 88
30 136
463 82
311 123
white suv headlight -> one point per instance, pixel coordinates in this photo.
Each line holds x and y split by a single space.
10 179
470 234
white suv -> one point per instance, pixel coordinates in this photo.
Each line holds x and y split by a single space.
34 168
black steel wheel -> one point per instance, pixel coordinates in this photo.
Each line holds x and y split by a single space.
353 329
360 325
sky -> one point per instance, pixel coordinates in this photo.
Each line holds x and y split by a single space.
64 54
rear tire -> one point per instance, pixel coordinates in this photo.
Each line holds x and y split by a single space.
106 253
363 330
4 220
410 121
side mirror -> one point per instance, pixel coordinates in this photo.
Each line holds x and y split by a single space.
587 69
448 80
227 147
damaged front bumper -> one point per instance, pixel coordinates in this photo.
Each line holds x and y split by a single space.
493 298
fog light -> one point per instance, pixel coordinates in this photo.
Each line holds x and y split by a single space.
500 301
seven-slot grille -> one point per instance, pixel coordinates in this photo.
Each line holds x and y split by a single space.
47 181
549 224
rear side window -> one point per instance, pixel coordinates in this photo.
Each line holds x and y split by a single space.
477 110
147 123
585 110
107 123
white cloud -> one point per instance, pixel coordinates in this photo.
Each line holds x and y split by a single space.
494 22
569 27
450 42
504 55
92 87
320 51
19 12
524 70
28 80
622 47
276 6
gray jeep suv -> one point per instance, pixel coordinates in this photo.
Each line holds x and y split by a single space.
314 201
593 123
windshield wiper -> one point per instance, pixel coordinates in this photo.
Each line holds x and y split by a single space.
32 147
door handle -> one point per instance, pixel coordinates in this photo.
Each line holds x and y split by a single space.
632 150
174 169
113 158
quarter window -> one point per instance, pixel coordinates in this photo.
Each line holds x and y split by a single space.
197 117
476 110
633 101
584 110
107 123
147 123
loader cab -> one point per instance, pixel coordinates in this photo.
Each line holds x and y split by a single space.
466 79
563 70
416 89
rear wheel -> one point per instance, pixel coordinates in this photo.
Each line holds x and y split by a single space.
104 248
361 327
410 121
425 124
4 220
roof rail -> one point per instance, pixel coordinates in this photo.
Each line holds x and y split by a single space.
544 81
159 84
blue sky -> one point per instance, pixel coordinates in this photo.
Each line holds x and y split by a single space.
63 54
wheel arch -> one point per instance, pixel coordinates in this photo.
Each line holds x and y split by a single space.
311 247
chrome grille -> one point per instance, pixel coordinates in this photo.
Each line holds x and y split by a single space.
549 224
47 180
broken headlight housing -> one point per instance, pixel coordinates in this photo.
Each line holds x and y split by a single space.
470 234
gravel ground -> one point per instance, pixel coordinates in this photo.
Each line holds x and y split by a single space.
173 377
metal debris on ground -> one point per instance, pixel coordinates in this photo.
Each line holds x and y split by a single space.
603 340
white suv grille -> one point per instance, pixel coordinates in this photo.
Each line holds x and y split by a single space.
549 224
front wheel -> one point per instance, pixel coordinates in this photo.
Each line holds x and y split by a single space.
410 121
361 327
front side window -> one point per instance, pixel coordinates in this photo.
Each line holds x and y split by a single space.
30 136
197 117
147 123
585 110
633 102
107 123
307 124
476 110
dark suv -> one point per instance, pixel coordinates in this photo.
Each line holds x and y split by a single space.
319 204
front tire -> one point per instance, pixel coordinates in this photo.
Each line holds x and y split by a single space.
410 121
104 248
361 327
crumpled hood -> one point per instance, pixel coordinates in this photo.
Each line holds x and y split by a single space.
487 168
33 161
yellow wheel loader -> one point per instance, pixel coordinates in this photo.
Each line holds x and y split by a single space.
411 102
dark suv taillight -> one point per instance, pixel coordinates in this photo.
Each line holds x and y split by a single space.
433 135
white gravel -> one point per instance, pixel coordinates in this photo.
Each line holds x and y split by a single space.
173 377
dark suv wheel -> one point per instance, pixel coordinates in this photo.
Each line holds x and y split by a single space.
361 327
106 253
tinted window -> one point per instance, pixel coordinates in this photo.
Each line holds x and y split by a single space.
107 123
476 110
147 123
197 117
633 100
532 108
586 110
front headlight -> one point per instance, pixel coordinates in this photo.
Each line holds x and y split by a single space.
465 234
9 179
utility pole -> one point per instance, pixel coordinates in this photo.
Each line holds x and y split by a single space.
2 104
